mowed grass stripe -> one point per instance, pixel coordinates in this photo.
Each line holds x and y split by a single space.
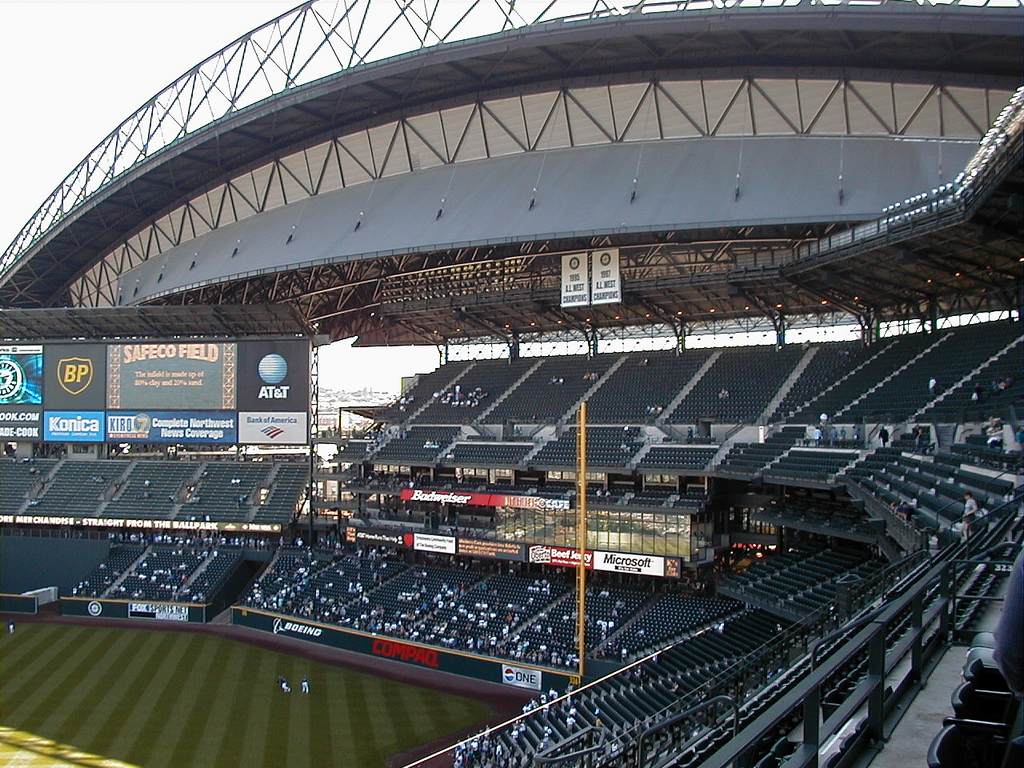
146 699
276 748
237 713
254 721
149 739
210 736
29 642
33 701
138 681
364 731
86 701
47 649
204 681
299 714
323 711
389 716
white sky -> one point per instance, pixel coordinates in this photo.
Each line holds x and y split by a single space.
72 70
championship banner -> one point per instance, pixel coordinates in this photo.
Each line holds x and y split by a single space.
21 375
575 281
162 611
474 499
171 375
605 282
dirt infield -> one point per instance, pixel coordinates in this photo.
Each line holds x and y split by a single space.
502 702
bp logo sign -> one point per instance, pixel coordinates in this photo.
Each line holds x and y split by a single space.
74 374
94 608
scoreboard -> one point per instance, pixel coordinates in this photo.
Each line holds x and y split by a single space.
170 392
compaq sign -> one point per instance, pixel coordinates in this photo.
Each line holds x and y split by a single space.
281 627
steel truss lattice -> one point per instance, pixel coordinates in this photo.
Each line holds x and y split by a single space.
321 38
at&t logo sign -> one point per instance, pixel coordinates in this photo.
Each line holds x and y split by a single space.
273 369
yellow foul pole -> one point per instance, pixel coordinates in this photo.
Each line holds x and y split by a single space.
581 536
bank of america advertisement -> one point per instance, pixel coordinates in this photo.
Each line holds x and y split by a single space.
212 427
273 428
21 375
171 375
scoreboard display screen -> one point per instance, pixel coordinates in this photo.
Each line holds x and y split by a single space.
21 375
171 375
169 392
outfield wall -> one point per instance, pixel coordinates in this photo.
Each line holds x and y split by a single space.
18 603
31 562
513 674
143 610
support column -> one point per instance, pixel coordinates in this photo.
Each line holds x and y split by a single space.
933 315
680 331
779 324
513 347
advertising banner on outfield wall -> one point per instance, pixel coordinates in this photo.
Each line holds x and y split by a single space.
605 282
273 376
124 609
161 611
575 280
76 377
21 375
521 677
544 554
269 428
17 423
172 375
414 654
618 562
207 427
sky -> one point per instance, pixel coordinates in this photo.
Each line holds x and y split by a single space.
74 69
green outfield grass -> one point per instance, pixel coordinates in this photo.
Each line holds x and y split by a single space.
149 698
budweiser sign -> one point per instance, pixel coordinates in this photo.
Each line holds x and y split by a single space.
440 497
482 499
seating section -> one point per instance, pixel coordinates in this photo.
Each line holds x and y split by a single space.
975 450
738 386
288 487
354 451
933 490
151 490
990 392
796 584
118 560
832 518
887 358
678 457
161 575
218 567
552 389
18 478
643 386
957 353
746 460
225 491
78 488
427 385
606 447
670 617
417 445
817 466
830 363
487 454
477 391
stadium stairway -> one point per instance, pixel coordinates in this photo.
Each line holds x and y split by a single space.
688 388
569 414
127 572
788 384
890 377
509 390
